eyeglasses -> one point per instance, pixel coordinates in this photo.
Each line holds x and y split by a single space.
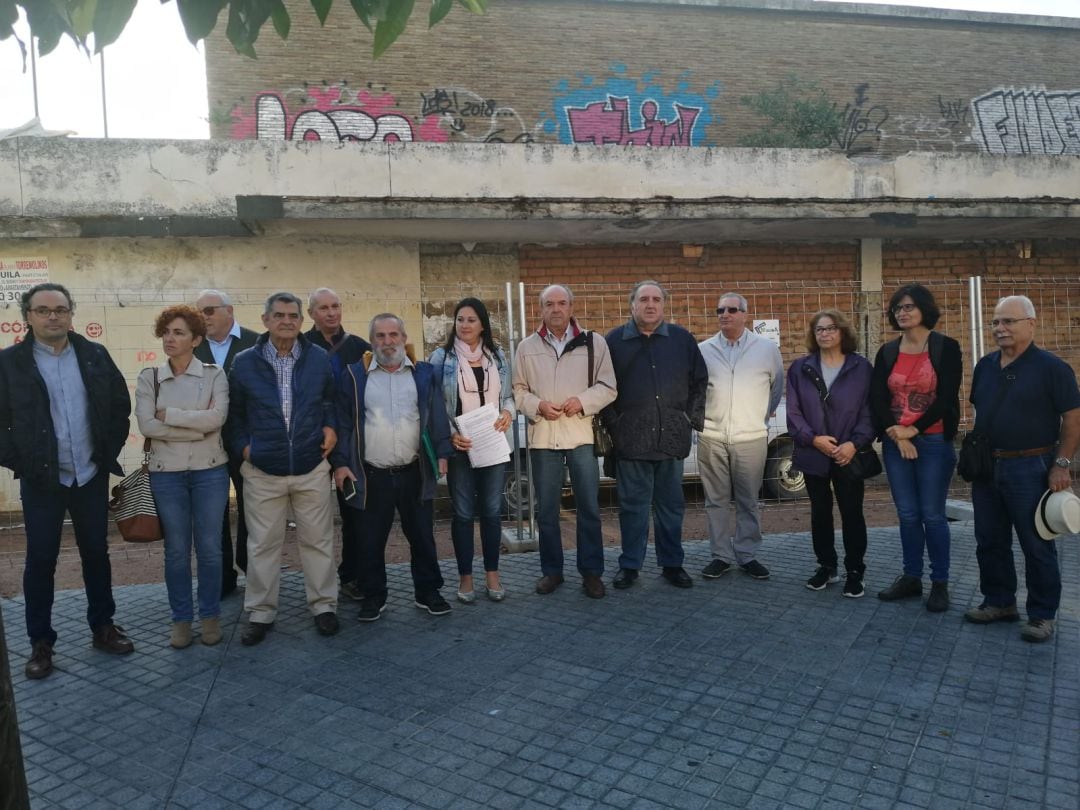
45 312
729 310
826 330
208 311
903 308
1007 322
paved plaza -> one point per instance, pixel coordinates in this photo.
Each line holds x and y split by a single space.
737 693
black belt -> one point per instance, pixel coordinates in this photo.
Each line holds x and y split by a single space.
371 468
1034 451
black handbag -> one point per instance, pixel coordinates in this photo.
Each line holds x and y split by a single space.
865 463
976 460
603 443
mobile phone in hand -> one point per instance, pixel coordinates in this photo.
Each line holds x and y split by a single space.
348 489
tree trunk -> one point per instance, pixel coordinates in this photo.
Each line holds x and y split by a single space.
13 795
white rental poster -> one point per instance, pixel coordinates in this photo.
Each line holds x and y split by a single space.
20 273
769 328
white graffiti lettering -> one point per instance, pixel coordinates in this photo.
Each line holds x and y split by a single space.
1028 121
343 124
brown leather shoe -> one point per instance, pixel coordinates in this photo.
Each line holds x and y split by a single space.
110 638
40 663
548 583
594 587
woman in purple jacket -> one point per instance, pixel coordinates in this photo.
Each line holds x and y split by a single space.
821 452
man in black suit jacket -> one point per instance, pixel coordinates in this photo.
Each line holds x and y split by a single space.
225 338
324 307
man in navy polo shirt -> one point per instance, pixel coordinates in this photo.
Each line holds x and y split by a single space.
1027 402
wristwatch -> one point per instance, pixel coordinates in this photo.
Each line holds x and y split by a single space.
1064 463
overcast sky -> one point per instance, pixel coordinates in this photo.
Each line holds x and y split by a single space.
156 80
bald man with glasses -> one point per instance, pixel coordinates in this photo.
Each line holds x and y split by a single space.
225 338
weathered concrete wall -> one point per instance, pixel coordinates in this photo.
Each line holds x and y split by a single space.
120 285
662 73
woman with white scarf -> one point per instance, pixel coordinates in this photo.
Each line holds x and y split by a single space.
474 373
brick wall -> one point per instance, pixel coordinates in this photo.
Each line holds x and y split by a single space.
906 83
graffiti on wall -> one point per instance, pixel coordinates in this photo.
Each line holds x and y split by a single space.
470 116
954 112
1027 121
859 127
333 113
629 112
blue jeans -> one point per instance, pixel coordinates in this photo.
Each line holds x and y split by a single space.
547 470
658 484
43 514
1007 503
475 494
919 490
190 504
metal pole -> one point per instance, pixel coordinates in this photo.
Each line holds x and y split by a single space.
528 459
13 792
33 75
104 103
974 316
511 357
982 333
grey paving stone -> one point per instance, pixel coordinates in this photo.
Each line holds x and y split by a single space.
642 700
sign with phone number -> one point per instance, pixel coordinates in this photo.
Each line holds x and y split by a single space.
20 273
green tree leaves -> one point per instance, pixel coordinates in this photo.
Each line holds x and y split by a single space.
102 21
800 113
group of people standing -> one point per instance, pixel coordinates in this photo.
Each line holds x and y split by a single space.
284 413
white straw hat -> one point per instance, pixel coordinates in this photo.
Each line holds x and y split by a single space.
1057 513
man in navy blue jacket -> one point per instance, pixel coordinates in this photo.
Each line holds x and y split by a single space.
281 422
63 421
661 378
395 440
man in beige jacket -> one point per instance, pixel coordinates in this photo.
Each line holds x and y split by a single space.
551 387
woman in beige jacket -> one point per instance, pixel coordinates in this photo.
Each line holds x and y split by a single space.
188 471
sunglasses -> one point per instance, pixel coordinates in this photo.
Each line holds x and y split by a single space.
729 310
208 311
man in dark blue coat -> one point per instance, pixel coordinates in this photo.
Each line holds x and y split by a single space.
395 440
281 422
64 410
661 378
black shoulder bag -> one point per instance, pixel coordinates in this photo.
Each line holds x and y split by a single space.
603 443
976 460
865 463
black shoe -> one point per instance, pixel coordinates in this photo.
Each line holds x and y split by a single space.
853 587
904 587
255 633
716 569
351 590
371 610
434 604
40 663
625 578
327 623
678 577
822 577
110 638
755 569
938 601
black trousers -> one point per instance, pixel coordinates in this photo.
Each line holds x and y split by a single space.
349 569
387 491
228 573
849 497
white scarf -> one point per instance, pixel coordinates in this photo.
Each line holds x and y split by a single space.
468 393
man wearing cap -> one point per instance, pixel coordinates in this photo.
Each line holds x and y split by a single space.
1028 405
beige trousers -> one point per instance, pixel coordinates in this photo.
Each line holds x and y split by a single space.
266 501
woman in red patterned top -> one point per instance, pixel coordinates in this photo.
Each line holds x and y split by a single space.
914 398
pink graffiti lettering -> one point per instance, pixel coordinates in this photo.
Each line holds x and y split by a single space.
609 122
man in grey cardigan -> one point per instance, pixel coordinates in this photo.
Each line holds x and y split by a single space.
746 381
